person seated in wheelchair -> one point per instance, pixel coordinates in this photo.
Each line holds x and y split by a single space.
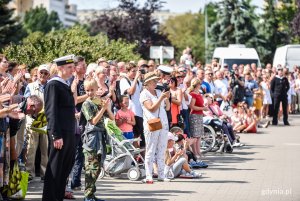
176 160
215 117
182 141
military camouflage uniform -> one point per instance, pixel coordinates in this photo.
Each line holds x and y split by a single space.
92 171
94 147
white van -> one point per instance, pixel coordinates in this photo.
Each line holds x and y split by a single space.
288 55
236 54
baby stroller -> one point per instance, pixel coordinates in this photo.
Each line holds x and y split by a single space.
223 141
122 157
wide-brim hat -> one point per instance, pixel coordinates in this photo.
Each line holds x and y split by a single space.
150 76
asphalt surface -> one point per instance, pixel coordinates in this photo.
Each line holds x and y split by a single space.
266 168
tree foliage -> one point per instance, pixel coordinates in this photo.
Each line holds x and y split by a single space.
38 19
269 28
39 48
186 30
296 21
10 29
133 23
234 24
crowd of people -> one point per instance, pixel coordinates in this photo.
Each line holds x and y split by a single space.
144 99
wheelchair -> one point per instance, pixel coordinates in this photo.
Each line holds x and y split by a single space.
222 141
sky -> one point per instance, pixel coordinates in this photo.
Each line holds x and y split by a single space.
177 6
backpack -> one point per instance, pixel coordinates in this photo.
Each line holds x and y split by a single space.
118 93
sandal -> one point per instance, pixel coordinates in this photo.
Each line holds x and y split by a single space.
69 195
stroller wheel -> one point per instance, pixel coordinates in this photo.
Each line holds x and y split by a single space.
134 174
102 173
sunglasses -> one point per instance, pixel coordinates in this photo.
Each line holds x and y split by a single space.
44 73
178 77
209 74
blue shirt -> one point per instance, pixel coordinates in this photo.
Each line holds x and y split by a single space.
27 92
206 87
249 86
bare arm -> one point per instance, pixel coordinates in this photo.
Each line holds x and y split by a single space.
152 107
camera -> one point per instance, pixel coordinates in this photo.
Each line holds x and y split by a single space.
166 87
143 71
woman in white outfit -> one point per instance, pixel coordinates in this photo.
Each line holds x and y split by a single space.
154 104
265 84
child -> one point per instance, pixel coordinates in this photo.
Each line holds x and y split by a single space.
125 118
250 122
94 144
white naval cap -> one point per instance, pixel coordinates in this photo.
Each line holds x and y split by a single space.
64 60
165 69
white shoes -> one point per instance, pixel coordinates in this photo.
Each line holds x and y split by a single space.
163 179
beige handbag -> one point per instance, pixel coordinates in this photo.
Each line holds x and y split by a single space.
155 123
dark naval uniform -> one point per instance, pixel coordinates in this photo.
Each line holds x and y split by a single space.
279 89
60 112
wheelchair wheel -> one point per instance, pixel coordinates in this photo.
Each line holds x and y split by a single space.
176 130
102 173
208 139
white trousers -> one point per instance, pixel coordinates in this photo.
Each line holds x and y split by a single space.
156 145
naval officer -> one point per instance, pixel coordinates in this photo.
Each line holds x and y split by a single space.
60 113
279 88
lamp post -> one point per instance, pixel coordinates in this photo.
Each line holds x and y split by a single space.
206 33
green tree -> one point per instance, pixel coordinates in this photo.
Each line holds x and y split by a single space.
133 23
10 29
285 13
39 48
234 24
38 19
186 30
296 22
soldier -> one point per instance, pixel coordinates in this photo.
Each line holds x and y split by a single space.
279 88
60 113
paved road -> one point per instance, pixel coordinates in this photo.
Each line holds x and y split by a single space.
267 168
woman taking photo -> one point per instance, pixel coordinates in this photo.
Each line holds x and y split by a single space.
176 101
154 104
196 116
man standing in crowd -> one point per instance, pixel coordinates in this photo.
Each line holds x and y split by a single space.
236 84
250 87
36 139
205 87
132 87
80 70
60 113
279 88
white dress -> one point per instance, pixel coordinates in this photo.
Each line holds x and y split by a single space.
267 94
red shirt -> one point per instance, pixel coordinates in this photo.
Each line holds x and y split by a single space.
125 127
199 102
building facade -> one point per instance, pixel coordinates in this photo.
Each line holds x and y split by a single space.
86 16
67 13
